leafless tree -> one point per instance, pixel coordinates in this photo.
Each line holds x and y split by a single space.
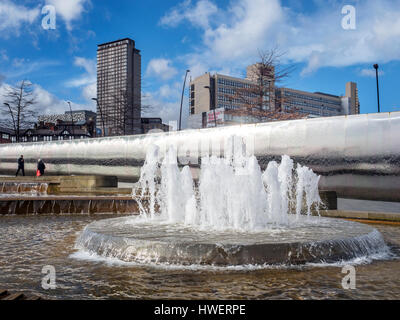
18 108
258 98
125 112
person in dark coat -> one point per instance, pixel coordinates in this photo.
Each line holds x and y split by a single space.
41 167
21 166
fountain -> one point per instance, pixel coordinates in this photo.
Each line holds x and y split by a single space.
234 214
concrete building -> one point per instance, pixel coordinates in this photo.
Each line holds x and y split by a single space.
226 94
312 104
119 87
154 125
318 104
209 92
352 94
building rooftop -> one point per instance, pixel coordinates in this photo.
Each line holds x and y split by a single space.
6 130
111 42
327 94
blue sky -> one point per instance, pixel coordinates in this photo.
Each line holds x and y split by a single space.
201 35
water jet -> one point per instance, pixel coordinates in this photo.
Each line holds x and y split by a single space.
235 215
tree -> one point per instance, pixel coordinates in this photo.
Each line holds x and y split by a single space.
126 113
258 99
19 107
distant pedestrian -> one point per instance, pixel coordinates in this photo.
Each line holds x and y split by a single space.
40 168
21 166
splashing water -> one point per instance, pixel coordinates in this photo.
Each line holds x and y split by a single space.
232 192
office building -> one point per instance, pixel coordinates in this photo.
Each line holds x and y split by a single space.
224 94
209 92
119 88
352 94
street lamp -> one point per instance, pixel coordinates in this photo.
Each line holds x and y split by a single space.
12 116
101 115
211 100
376 66
183 93
72 119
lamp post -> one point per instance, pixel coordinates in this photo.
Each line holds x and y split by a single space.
183 93
72 119
376 67
211 99
101 115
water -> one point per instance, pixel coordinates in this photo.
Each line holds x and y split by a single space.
29 243
234 215
23 188
232 192
158 243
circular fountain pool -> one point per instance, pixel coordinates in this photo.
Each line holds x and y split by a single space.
309 240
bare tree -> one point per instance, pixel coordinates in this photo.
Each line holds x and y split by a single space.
19 107
125 112
258 98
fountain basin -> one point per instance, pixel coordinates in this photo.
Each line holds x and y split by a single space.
307 240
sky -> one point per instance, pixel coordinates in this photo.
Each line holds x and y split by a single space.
326 43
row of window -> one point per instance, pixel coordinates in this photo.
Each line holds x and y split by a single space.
312 98
231 83
312 106
228 99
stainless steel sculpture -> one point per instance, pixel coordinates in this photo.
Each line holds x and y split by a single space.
357 156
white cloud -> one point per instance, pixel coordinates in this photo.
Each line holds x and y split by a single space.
371 72
168 111
236 33
47 103
198 14
161 68
87 81
89 92
3 55
13 17
21 67
69 10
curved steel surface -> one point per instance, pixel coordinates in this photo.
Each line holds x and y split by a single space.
357 156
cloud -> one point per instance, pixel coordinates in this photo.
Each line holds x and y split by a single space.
232 35
88 80
21 67
47 103
168 111
89 77
69 10
90 91
13 17
371 73
3 55
198 14
161 68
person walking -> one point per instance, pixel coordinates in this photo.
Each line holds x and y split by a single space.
40 168
21 166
